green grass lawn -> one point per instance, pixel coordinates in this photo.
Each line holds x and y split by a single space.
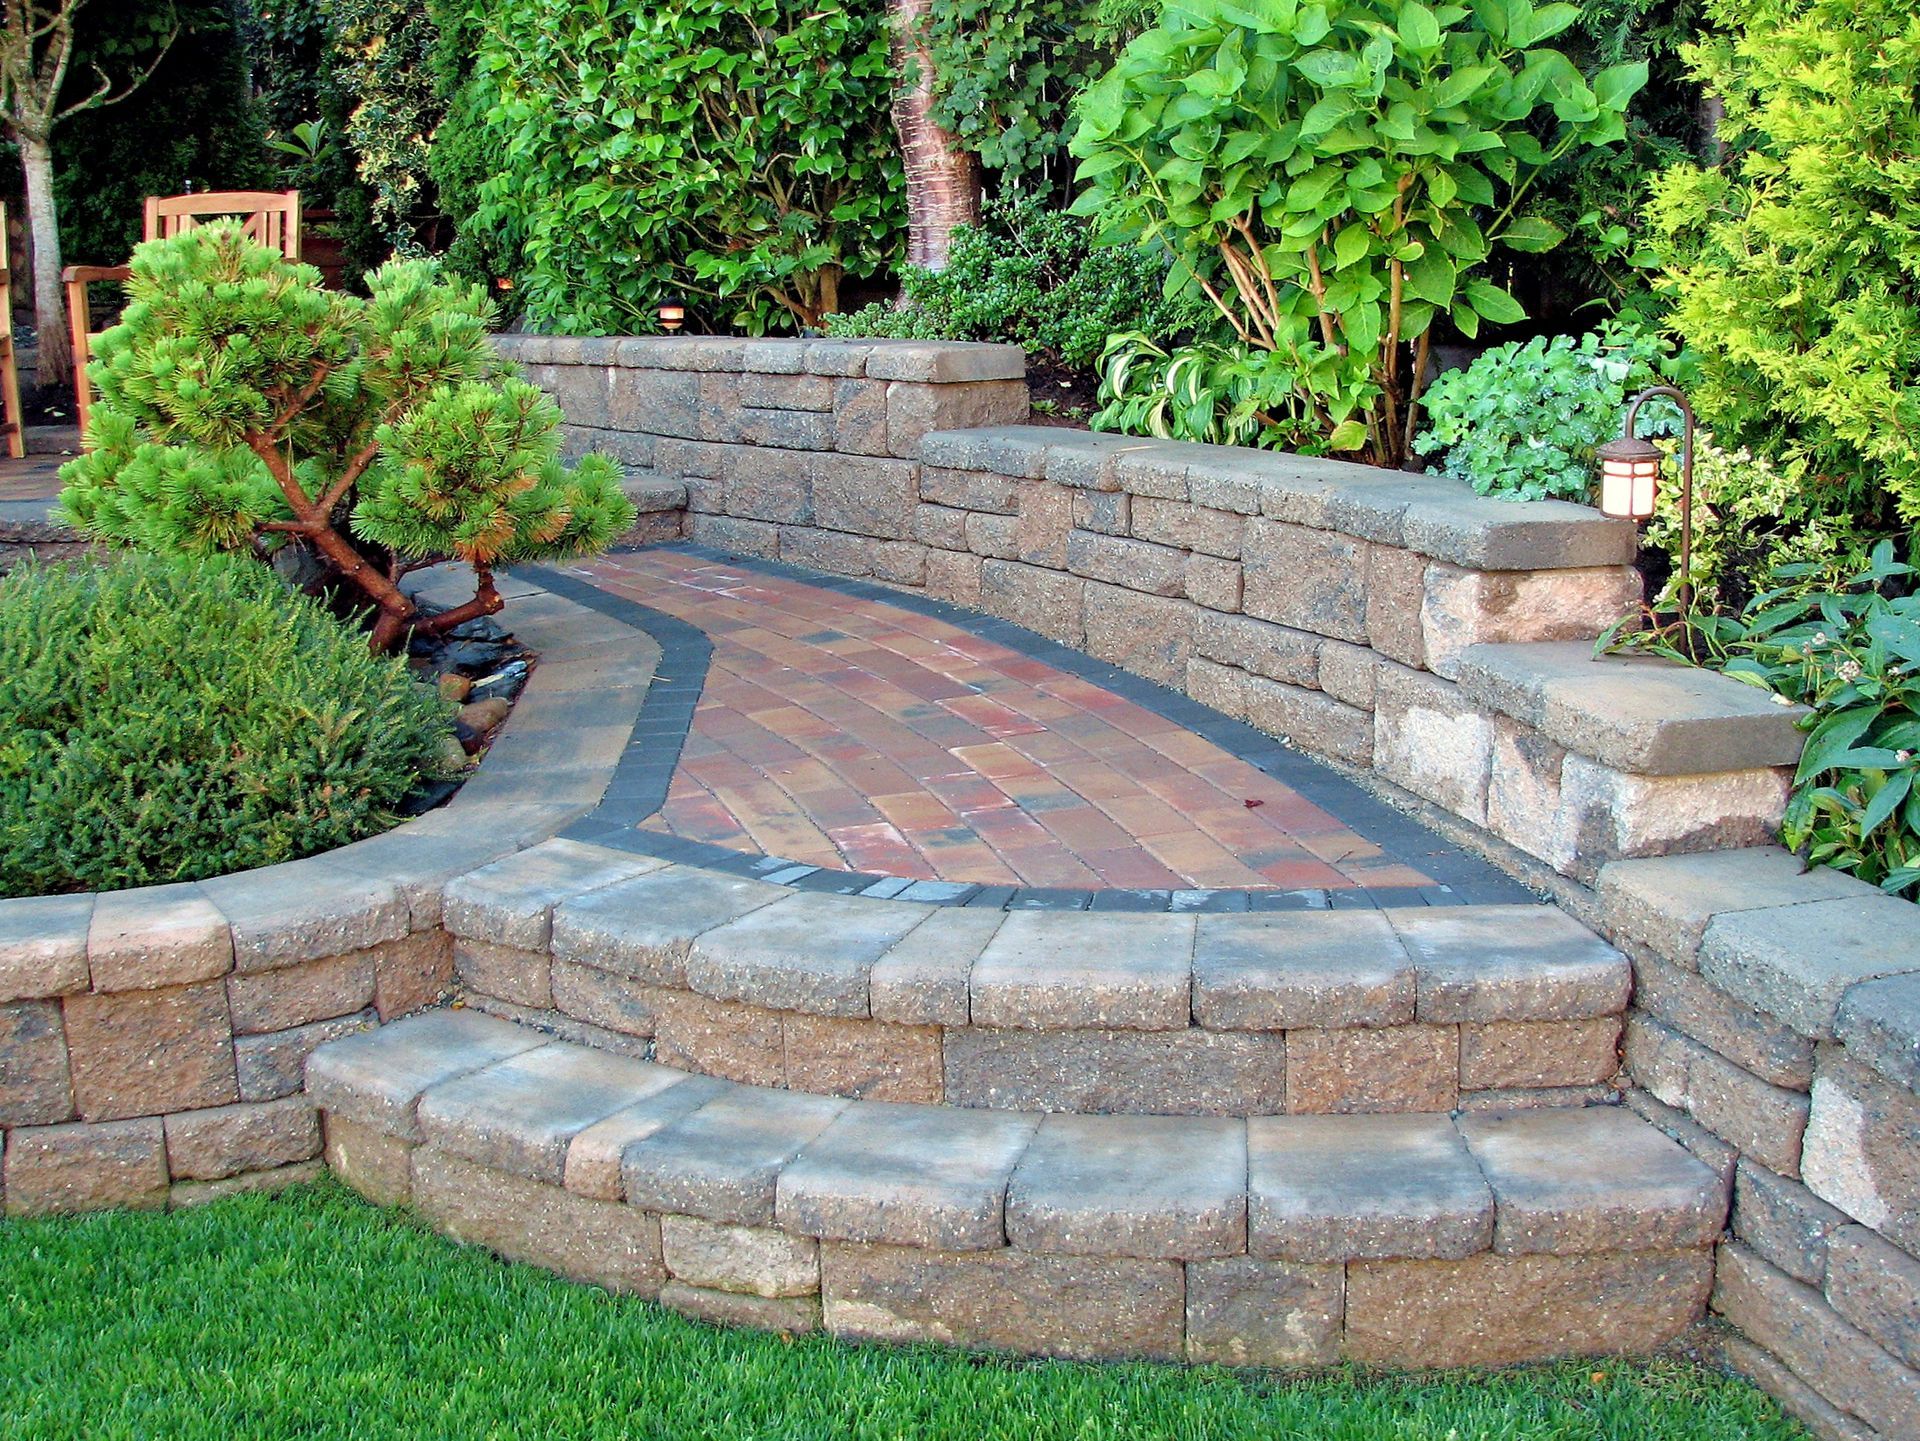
312 1314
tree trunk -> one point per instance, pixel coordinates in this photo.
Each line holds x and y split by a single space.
943 181
49 310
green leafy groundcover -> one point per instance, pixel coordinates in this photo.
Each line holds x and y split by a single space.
168 721
313 1314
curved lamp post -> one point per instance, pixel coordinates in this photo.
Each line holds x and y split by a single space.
1630 478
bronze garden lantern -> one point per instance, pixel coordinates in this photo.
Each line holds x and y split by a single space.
1630 478
672 315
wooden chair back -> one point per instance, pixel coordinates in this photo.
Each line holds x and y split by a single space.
13 422
270 217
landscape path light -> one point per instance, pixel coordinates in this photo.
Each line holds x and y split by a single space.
1630 478
672 315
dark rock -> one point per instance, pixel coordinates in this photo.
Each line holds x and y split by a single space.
504 684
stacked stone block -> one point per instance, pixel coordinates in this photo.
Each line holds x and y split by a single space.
1776 1031
1392 1240
1392 623
1474 1008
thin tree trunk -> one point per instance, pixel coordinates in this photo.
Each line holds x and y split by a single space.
49 311
943 181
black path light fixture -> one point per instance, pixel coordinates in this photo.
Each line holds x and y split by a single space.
672 315
1630 478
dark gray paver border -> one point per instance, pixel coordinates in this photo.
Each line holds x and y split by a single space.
640 781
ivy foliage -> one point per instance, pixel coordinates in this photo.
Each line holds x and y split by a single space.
1792 268
1030 276
738 151
243 406
1335 177
1523 421
1005 72
164 721
463 151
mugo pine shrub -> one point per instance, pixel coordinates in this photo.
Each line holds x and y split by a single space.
163 720
244 408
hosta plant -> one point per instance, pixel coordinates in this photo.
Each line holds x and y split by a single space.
1852 655
1334 177
243 408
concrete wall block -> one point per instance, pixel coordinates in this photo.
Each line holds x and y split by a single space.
1530 1054
1794 1322
1103 512
156 936
1783 1221
1042 600
1260 647
1860 1154
915 409
865 496
1492 1310
1312 580
658 402
43 946
1046 517
940 526
1348 673
787 392
1214 584
955 578
68 1169
1384 1069
769 485
35 1088
143 1053
995 536
1395 589
971 490
1750 1038
1149 635
1431 740
1523 792
1132 564
777 429
1459 608
860 417
1315 722
300 995
1876 1287
223 1141
899 562
1243 1312
742 537
1606 814
831 551
1189 527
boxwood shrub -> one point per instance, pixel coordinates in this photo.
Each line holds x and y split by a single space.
161 721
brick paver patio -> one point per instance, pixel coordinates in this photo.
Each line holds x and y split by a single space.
851 733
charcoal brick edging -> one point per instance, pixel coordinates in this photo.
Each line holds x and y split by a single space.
152 1041
1400 625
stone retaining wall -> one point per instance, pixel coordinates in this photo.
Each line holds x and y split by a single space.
1332 1012
153 1041
1776 1033
1369 617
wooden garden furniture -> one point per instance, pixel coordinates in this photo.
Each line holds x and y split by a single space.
270 217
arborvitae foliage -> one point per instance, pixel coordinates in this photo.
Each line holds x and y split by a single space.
165 721
245 408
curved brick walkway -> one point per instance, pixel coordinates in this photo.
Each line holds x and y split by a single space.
843 730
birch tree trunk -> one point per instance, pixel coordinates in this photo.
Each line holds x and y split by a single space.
49 308
943 181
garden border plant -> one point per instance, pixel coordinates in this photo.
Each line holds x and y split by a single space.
243 408
1334 179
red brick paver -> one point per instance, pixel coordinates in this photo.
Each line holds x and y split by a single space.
856 734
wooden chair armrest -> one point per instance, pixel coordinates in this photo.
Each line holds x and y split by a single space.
86 274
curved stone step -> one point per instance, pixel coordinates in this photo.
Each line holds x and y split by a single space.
1424 1009
1278 1240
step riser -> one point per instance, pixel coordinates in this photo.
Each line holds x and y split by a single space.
1484 1309
1190 1072
1308 1012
